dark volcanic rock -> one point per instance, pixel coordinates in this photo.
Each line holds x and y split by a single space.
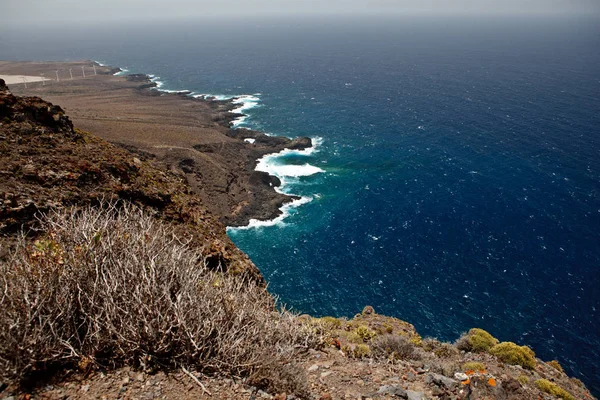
263 178
137 78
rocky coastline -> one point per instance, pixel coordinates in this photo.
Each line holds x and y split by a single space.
114 150
195 138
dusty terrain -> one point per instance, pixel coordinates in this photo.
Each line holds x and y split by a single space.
186 134
335 371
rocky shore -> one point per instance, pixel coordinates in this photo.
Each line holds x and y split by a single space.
191 136
176 159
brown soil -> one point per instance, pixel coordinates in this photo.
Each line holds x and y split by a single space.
187 134
46 164
333 373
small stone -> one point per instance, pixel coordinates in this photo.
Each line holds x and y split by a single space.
326 374
313 368
126 380
368 310
140 377
136 160
461 376
85 388
411 377
412 395
441 380
325 396
393 390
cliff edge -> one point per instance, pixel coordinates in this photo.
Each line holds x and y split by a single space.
118 282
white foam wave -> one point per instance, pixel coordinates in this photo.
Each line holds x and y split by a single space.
99 63
219 97
176 91
123 71
159 83
271 164
286 210
246 103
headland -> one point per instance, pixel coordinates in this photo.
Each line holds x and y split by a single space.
190 135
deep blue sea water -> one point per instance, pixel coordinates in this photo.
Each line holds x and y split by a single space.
456 181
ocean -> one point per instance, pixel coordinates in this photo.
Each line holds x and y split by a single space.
455 177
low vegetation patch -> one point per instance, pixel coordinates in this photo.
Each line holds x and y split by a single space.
556 365
473 366
395 347
514 354
115 287
476 340
546 386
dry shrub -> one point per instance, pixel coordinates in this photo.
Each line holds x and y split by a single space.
281 377
115 286
440 349
395 347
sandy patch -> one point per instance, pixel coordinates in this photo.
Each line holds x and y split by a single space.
15 79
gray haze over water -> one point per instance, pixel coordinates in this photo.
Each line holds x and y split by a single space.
36 11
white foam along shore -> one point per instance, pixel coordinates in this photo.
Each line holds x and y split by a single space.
285 172
270 162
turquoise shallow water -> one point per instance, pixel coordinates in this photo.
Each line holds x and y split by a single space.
456 181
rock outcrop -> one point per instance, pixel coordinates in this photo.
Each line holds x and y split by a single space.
45 163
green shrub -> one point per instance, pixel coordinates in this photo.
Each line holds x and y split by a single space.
365 333
361 351
514 354
524 379
473 366
556 365
327 323
417 340
476 340
551 388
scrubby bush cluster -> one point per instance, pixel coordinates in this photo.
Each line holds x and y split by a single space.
546 386
476 340
395 347
479 341
512 353
114 286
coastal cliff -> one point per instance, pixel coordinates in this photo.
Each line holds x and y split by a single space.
189 136
231 341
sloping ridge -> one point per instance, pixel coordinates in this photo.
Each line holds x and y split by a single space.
45 164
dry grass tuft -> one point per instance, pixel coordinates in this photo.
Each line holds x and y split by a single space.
115 287
395 347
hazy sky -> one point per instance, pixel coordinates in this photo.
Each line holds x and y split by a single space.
103 10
